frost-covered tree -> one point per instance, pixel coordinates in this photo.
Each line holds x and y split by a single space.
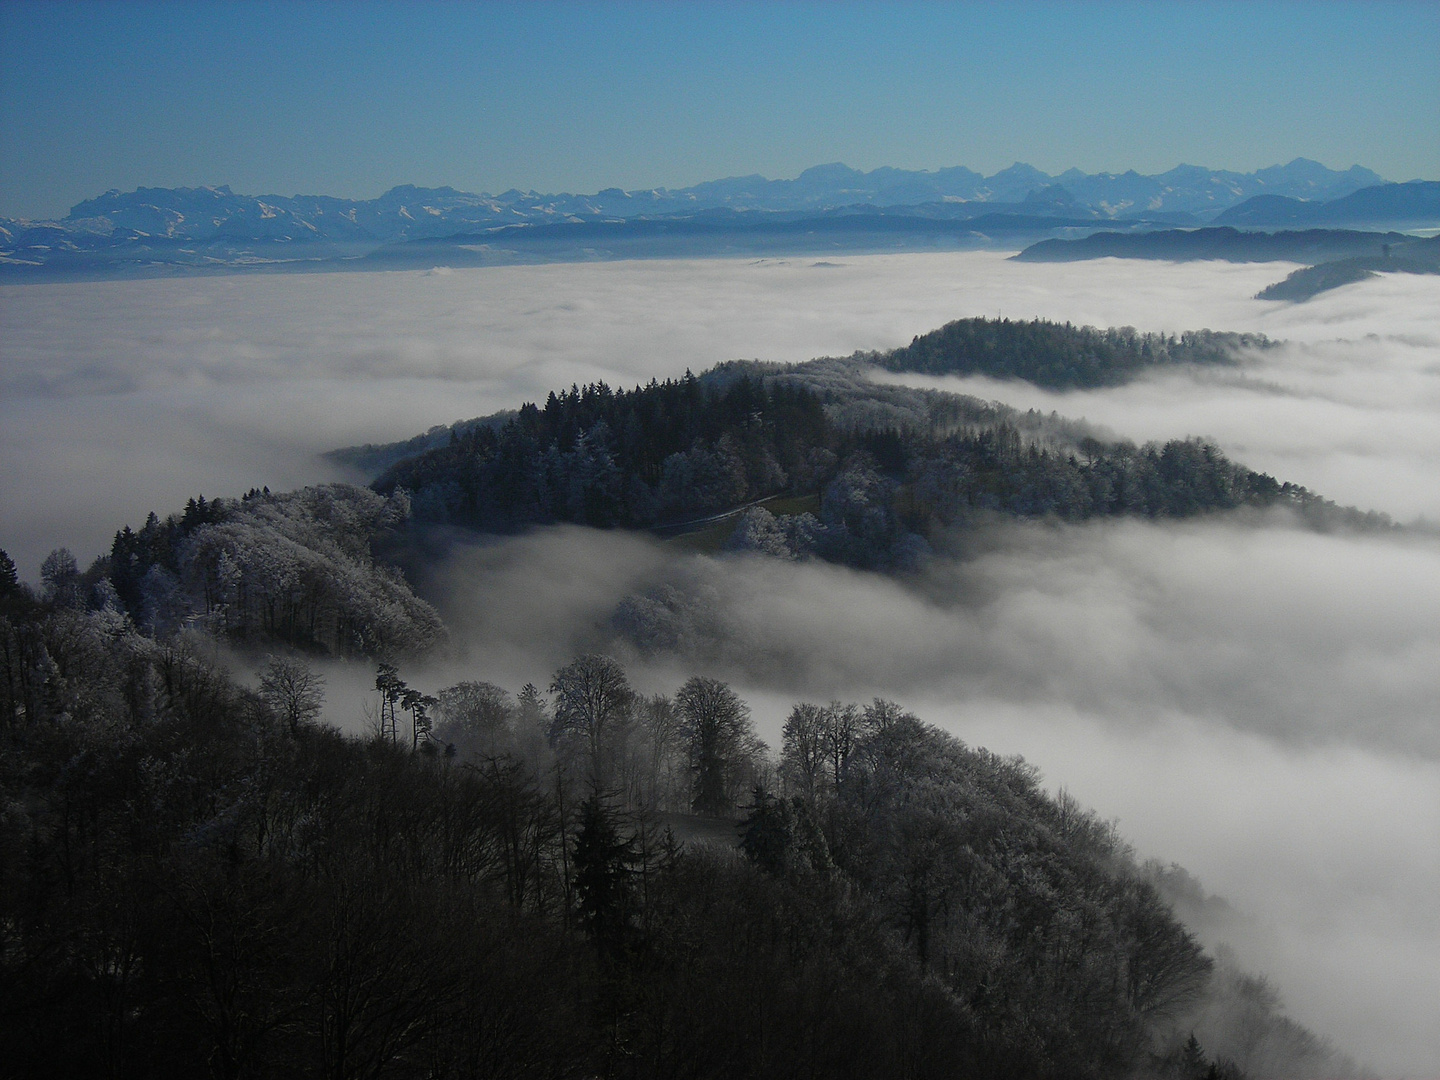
298 568
804 751
61 576
701 479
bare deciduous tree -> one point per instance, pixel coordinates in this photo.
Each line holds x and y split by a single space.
592 706
721 740
292 690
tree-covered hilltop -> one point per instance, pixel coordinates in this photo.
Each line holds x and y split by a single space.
293 568
197 879
1060 357
878 473
606 457
889 467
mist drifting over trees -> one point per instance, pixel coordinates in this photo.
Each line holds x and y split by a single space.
669 894
199 877
747 621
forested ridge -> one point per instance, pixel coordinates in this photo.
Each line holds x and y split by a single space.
200 879
1060 357
1409 256
878 475
892 467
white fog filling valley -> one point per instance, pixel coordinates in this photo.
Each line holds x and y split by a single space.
1191 681
1252 700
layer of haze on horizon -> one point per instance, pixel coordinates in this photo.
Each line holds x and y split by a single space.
350 100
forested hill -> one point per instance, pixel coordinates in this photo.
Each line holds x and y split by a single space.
875 475
887 467
199 879
1412 257
293 568
1060 357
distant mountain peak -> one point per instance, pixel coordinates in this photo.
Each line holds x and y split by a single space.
836 172
1020 168
1050 195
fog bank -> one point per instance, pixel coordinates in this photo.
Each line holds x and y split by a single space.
119 397
1253 702
1357 420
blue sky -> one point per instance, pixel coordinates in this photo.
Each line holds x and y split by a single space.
350 99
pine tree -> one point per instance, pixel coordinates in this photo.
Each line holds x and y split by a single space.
605 863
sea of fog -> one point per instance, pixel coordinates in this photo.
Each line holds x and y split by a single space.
1254 701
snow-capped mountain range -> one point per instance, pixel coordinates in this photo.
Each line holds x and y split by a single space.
215 227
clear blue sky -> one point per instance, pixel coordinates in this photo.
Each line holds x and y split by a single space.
352 98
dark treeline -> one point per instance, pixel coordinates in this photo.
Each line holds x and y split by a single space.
604 457
892 468
197 879
1059 357
888 498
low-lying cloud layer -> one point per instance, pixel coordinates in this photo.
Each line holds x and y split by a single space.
119 397
1252 700
1268 629
1357 420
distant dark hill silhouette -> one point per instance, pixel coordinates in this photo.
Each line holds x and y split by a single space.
1414 257
1224 243
1271 210
1415 203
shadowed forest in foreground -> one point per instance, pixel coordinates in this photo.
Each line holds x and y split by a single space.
200 879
